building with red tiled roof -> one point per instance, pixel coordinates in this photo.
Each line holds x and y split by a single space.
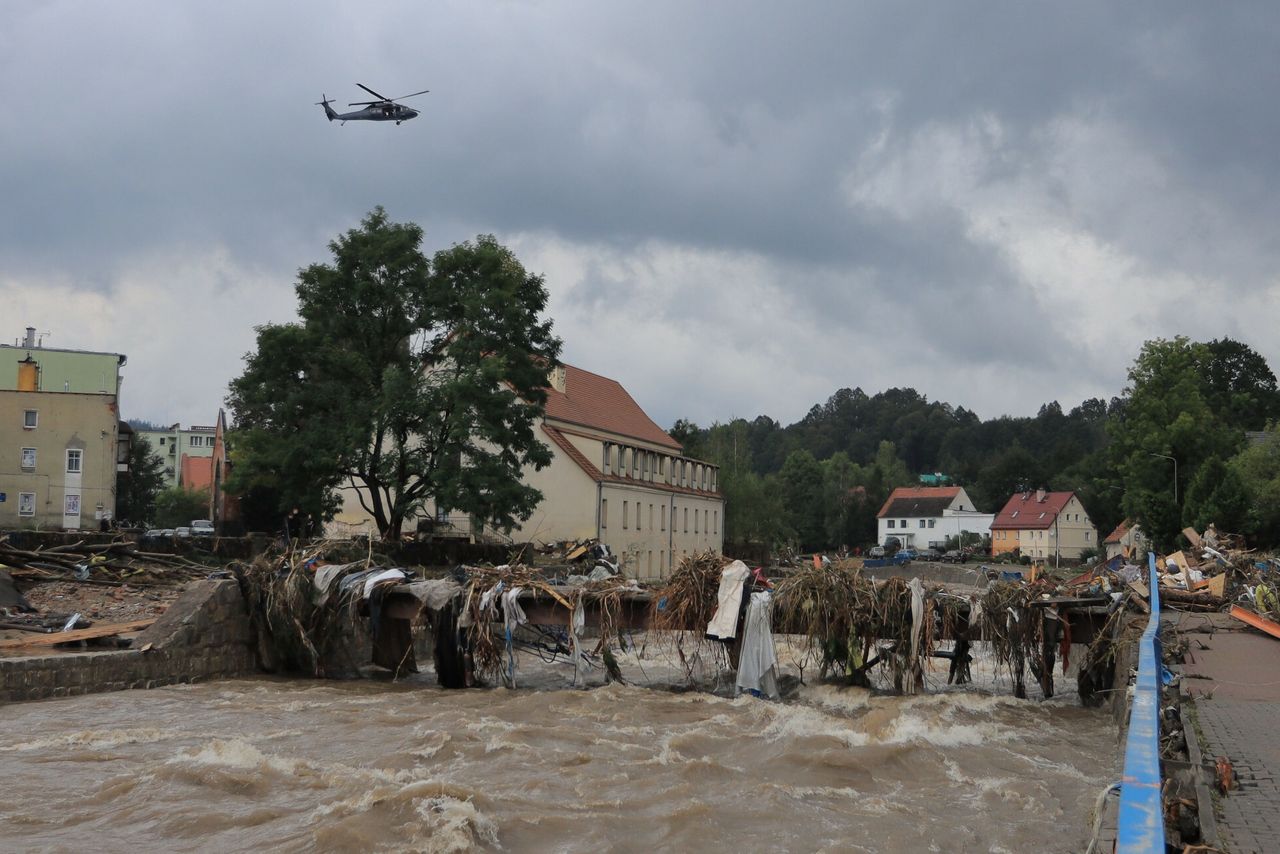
927 516
615 476
1043 525
1127 540
618 477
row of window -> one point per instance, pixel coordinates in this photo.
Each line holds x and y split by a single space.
709 518
903 523
1035 535
637 463
75 460
27 504
193 441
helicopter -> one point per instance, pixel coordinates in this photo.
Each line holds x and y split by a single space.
382 110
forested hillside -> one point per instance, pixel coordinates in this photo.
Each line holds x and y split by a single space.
819 482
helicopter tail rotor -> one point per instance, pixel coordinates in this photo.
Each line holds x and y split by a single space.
328 111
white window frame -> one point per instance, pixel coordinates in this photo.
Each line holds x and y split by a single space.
28 498
28 466
32 416
79 458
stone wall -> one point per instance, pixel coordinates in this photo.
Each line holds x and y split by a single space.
204 634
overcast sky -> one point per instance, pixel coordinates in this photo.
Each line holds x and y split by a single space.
739 208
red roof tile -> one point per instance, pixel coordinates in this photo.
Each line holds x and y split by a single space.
1118 534
1025 512
590 400
907 492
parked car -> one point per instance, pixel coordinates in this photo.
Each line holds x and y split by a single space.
907 554
956 556
201 528
930 554
182 532
876 551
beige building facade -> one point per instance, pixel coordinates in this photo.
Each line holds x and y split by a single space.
59 453
1044 526
615 476
60 447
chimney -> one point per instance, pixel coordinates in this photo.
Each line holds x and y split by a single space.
556 379
1040 494
30 340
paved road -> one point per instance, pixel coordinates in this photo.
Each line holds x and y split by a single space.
1237 703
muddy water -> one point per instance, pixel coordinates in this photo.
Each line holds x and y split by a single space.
309 766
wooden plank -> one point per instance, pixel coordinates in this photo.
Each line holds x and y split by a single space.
1218 585
1258 621
1192 537
77 635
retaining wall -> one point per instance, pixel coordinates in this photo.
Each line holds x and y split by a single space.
204 634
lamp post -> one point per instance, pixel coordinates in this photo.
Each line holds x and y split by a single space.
1175 472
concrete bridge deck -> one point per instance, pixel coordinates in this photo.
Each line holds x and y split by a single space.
1232 674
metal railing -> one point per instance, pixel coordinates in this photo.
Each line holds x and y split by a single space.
1141 823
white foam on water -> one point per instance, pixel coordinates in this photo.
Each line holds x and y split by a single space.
454 825
98 739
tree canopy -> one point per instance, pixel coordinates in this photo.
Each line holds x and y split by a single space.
407 379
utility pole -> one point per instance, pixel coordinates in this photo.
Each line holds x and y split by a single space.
1175 472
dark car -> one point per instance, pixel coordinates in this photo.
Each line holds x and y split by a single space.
955 556
930 554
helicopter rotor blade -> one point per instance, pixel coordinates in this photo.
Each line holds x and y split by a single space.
373 93
402 97
365 103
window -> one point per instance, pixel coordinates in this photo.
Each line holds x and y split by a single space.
26 504
29 458
695 521
650 517
902 523
197 441
686 520
73 461
921 523
162 440
892 522
931 521
624 515
29 419
716 518
604 513
1086 536
664 517
638 512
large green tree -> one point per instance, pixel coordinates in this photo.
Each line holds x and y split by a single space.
1165 432
136 489
409 379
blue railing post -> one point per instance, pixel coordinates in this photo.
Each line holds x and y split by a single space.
1141 822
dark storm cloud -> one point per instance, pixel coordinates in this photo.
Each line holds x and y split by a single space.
1143 132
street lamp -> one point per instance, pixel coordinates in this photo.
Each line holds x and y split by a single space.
1175 472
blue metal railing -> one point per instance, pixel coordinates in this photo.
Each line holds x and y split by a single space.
1141 822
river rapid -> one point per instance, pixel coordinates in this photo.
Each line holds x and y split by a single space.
289 765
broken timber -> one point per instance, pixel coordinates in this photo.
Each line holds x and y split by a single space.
53 638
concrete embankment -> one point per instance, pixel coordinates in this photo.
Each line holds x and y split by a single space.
204 634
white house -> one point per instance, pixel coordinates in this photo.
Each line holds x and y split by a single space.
926 516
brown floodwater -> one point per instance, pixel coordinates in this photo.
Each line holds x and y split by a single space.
271 764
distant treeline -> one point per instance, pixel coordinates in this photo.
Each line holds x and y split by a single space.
819 482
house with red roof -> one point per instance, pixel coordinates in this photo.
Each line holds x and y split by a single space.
1127 541
615 476
927 516
1043 525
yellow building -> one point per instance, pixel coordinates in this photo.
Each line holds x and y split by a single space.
60 443
1043 526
